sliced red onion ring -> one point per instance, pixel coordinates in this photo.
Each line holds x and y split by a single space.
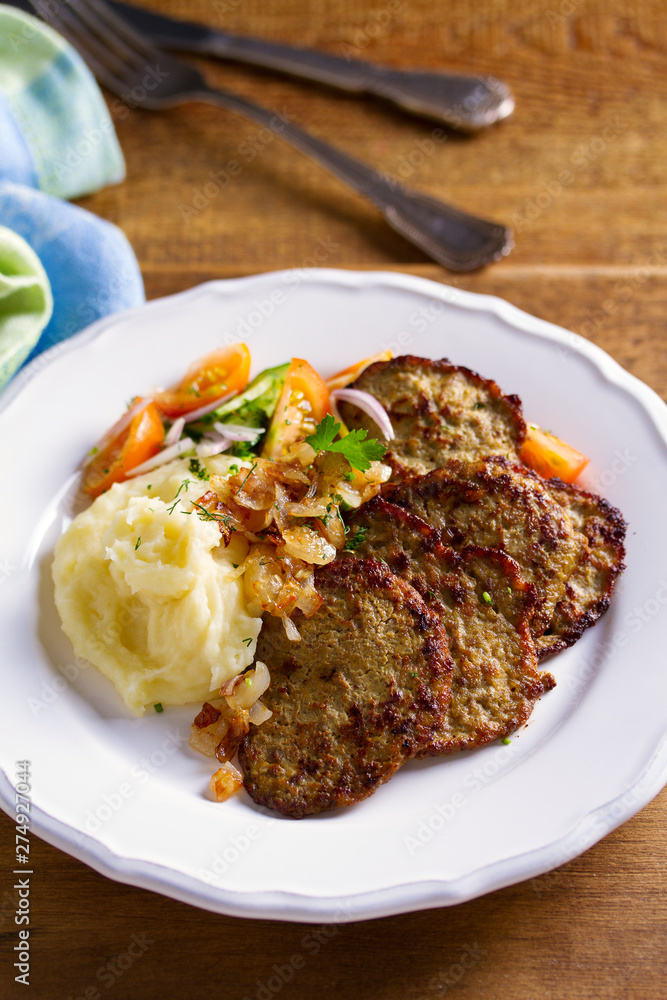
210 448
174 432
166 455
235 432
209 408
117 429
368 404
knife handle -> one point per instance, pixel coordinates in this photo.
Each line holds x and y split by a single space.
459 241
463 102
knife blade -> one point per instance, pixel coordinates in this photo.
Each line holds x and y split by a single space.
462 102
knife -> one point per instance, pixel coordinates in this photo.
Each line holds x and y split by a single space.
463 102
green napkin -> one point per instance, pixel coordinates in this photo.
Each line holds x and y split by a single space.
26 302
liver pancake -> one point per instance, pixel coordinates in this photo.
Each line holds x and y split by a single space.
486 608
438 411
365 690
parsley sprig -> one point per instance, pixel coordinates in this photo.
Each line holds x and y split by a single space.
355 447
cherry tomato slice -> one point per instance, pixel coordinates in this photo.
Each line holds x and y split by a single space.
134 443
549 456
219 374
303 402
341 379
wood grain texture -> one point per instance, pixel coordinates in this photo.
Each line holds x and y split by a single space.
580 172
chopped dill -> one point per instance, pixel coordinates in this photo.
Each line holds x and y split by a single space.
207 515
353 543
184 485
250 472
197 469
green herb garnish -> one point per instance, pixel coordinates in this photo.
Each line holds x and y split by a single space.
158 708
250 472
486 597
353 543
354 447
207 515
197 469
138 543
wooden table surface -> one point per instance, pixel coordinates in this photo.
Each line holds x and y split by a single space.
580 172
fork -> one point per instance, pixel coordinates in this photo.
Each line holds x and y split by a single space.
132 68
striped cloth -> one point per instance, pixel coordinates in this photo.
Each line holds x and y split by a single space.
57 134
57 141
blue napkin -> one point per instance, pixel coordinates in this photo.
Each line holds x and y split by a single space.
58 141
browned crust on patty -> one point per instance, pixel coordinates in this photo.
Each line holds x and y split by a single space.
362 692
591 584
486 607
495 504
438 411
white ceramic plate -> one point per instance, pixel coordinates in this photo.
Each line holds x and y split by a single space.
129 798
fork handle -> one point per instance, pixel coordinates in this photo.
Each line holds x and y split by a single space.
459 241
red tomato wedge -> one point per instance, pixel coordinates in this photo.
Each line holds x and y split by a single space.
348 375
219 374
549 456
134 442
303 402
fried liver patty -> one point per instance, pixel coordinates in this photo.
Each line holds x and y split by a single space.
485 606
498 505
438 411
590 585
365 690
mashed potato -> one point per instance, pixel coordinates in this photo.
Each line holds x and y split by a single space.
149 594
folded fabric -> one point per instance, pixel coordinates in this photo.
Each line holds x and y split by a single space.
56 131
56 135
25 302
90 264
